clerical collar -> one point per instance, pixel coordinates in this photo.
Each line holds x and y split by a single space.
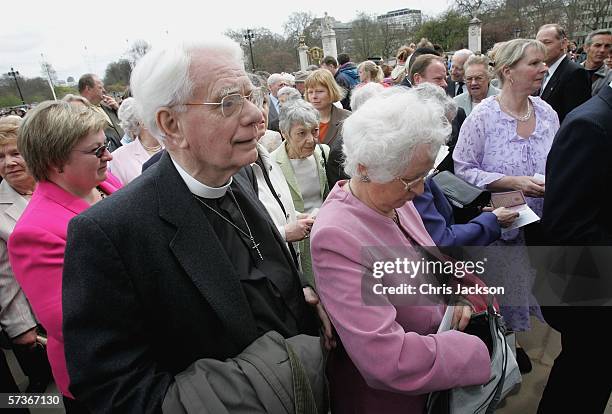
198 188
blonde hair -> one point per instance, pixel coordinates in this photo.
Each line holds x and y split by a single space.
9 126
510 52
324 78
50 131
372 69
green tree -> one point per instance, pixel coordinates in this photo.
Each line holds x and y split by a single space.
118 72
271 51
61 91
449 30
9 100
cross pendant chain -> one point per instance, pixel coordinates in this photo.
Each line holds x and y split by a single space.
256 247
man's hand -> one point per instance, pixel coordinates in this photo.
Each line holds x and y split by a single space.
530 186
505 216
110 102
328 333
298 230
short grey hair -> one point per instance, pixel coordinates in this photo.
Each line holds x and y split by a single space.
363 93
383 133
298 112
290 92
510 52
463 52
162 79
479 60
129 117
274 78
589 39
430 92
288 77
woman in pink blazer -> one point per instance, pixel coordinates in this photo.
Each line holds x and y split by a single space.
64 148
390 355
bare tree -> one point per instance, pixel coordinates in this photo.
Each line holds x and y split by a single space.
138 49
364 36
298 23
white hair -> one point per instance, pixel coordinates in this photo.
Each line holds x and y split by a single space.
274 78
288 77
363 93
429 91
383 133
297 112
161 78
290 92
129 118
463 52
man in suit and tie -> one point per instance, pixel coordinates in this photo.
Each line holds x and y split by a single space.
456 82
275 82
576 214
566 84
92 88
184 265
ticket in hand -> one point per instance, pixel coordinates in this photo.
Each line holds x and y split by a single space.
508 199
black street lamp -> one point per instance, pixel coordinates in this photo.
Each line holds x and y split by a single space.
249 36
14 73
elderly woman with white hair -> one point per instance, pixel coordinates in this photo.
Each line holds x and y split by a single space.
288 93
128 159
302 160
390 355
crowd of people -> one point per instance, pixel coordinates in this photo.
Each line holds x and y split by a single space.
203 245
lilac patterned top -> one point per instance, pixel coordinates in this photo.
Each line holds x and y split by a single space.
489 148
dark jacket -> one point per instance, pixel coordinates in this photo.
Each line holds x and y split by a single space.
568 88
347 76
447 163
113 132
140 313
272 117
333 168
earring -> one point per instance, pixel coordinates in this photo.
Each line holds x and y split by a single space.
364 179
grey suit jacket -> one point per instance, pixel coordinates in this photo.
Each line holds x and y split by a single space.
16 317
335 124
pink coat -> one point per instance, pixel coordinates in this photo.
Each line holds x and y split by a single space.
36 252
390 356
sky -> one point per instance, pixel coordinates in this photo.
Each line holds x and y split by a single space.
77 37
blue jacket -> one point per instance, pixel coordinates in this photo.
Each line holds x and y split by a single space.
437 215
347 76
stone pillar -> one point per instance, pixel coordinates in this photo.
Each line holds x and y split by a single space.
328 36
475 35
303 53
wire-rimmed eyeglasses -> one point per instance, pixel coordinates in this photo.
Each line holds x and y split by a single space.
98 152
408 185
233 103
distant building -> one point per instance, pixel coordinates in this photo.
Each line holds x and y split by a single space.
401 19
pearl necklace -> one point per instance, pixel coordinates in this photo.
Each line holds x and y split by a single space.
520 118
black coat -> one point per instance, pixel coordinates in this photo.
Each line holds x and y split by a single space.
113 132
148 289
568 88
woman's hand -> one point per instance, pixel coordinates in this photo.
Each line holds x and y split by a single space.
298 230
505 216
531 187
461 316
327 331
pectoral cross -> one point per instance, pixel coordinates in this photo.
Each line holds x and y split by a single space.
256 247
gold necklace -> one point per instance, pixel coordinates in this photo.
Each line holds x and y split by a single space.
395 217
154 148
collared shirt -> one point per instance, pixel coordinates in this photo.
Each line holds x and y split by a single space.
459 84
551 71
275 102
198 188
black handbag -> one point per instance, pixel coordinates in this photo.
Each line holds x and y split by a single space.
467 199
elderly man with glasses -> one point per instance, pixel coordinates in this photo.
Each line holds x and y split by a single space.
167 283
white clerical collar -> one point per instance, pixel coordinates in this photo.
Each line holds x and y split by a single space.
198 188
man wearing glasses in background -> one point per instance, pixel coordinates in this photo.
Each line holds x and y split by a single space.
185 265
